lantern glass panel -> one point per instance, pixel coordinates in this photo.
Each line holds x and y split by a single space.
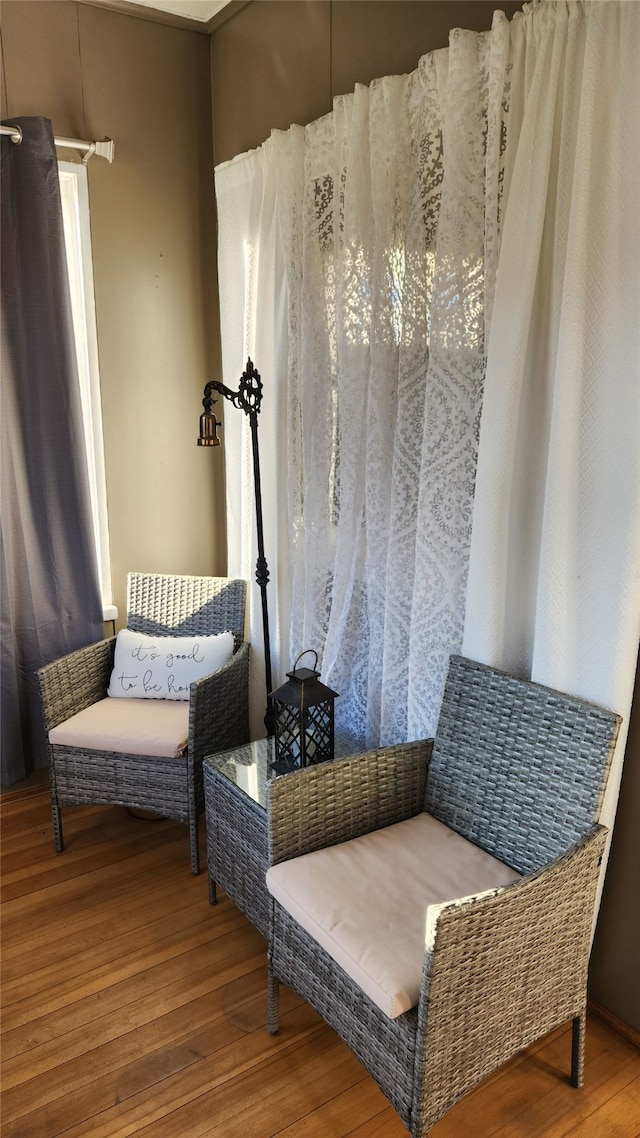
288 742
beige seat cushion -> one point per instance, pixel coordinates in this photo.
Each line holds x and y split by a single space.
365 901
132 726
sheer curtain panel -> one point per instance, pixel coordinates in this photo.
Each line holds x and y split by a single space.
554 582
356 259
50 594
252 312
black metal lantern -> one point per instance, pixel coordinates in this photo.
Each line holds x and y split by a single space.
304 718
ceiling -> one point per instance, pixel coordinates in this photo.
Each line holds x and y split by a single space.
202 10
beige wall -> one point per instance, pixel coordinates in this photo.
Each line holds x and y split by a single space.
275 62
95 72
615 961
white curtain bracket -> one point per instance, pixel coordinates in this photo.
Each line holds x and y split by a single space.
104 149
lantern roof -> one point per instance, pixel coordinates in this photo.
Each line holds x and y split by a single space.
303 688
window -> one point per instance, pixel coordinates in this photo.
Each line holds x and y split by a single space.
77 232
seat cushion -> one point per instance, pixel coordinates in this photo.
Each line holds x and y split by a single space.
365 901
131 726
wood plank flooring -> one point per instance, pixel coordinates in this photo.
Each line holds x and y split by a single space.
133 1007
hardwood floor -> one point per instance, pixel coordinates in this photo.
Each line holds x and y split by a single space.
132 1007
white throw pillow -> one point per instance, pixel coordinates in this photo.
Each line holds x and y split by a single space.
164 667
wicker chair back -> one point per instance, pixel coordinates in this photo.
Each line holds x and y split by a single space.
517 768
163 605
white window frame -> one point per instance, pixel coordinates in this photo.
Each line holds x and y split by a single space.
74 192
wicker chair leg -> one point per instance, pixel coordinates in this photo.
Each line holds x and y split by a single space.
213 897
273 998
58 837
193 840
577 1050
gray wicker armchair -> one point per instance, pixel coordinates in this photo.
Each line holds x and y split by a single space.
512 788
216 717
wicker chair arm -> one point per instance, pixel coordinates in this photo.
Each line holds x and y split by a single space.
504 968
219 708
321 806
75 681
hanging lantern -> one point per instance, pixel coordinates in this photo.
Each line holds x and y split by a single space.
304 718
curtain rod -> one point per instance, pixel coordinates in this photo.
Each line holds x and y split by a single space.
104 149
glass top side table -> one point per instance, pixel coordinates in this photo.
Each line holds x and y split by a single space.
235 790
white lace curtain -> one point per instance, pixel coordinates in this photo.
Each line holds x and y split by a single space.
373 368
370 263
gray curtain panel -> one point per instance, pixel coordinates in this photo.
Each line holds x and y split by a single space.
50 589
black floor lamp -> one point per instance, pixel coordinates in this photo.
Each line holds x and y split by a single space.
248 398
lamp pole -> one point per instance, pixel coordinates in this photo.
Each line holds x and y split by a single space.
247 398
